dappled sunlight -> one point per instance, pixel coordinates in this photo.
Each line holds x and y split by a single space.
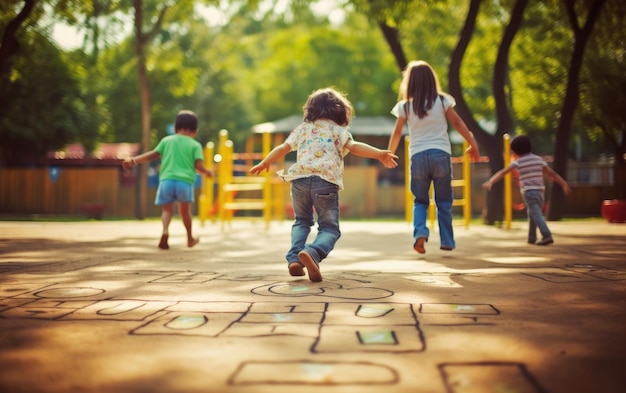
517 259
228 312
434 280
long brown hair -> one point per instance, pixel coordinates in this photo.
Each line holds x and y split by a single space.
419 84
328 103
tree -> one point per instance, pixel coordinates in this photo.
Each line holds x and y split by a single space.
142 39
602 81
570 101
40 104
491 142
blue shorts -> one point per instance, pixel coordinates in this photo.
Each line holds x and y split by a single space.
171 191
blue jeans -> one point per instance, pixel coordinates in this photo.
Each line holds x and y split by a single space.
307 194
534 204
432 166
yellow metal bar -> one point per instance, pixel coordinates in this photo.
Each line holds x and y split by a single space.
508 201
278 194
467 201
431 206
225 177
267 194
206 199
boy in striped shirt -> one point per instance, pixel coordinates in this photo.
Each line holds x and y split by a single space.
531 169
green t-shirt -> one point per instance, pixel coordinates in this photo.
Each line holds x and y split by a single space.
179 154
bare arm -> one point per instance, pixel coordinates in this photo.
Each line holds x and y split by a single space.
145 157
557 178
396 135
364 150
277 153
497 177
199 166
461 127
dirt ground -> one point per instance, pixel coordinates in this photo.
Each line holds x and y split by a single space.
96 307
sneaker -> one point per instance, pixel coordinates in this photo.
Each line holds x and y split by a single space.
545 241
419 245
296 269
311 266
446 248
532 241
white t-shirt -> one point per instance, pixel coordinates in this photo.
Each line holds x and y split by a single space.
431 131
320 147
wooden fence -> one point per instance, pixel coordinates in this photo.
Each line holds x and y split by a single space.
67 191
37 191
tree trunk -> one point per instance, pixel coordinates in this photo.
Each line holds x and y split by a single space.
561 146
142 175
9 47
391 36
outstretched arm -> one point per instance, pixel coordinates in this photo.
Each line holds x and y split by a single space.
460 126
497 177
557 178
364 150
276 154
145 157
394 139
202 169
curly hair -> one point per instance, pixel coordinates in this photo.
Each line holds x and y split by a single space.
328 103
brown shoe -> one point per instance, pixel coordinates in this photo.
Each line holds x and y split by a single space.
419 245
296 269
311 267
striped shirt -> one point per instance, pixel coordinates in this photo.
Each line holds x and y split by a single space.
530 169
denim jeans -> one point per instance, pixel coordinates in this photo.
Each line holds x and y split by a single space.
307 194
432 166
534 204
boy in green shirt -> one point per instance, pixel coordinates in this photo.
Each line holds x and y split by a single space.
181 157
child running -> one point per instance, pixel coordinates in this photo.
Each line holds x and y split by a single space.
531 169
181 157
426 109
321 141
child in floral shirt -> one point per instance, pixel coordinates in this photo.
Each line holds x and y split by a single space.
321 141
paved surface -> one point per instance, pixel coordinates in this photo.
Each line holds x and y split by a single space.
96 307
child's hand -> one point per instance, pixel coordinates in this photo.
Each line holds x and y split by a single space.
566 189
388 159
487 185
127 164
474 154
258 168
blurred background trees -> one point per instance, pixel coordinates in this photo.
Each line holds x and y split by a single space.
243 62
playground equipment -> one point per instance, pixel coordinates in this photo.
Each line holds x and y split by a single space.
465 182
206 199
508 197
236 190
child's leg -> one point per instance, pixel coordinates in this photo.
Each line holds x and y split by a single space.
166 217
184 209
441 172
420 186
534 203
532 228
303 217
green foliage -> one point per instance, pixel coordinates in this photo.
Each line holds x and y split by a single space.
41 105
261 66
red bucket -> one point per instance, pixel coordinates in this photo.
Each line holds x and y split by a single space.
614 210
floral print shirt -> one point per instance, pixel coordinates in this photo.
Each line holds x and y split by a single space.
320 147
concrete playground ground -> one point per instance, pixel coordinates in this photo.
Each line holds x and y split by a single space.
95 306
